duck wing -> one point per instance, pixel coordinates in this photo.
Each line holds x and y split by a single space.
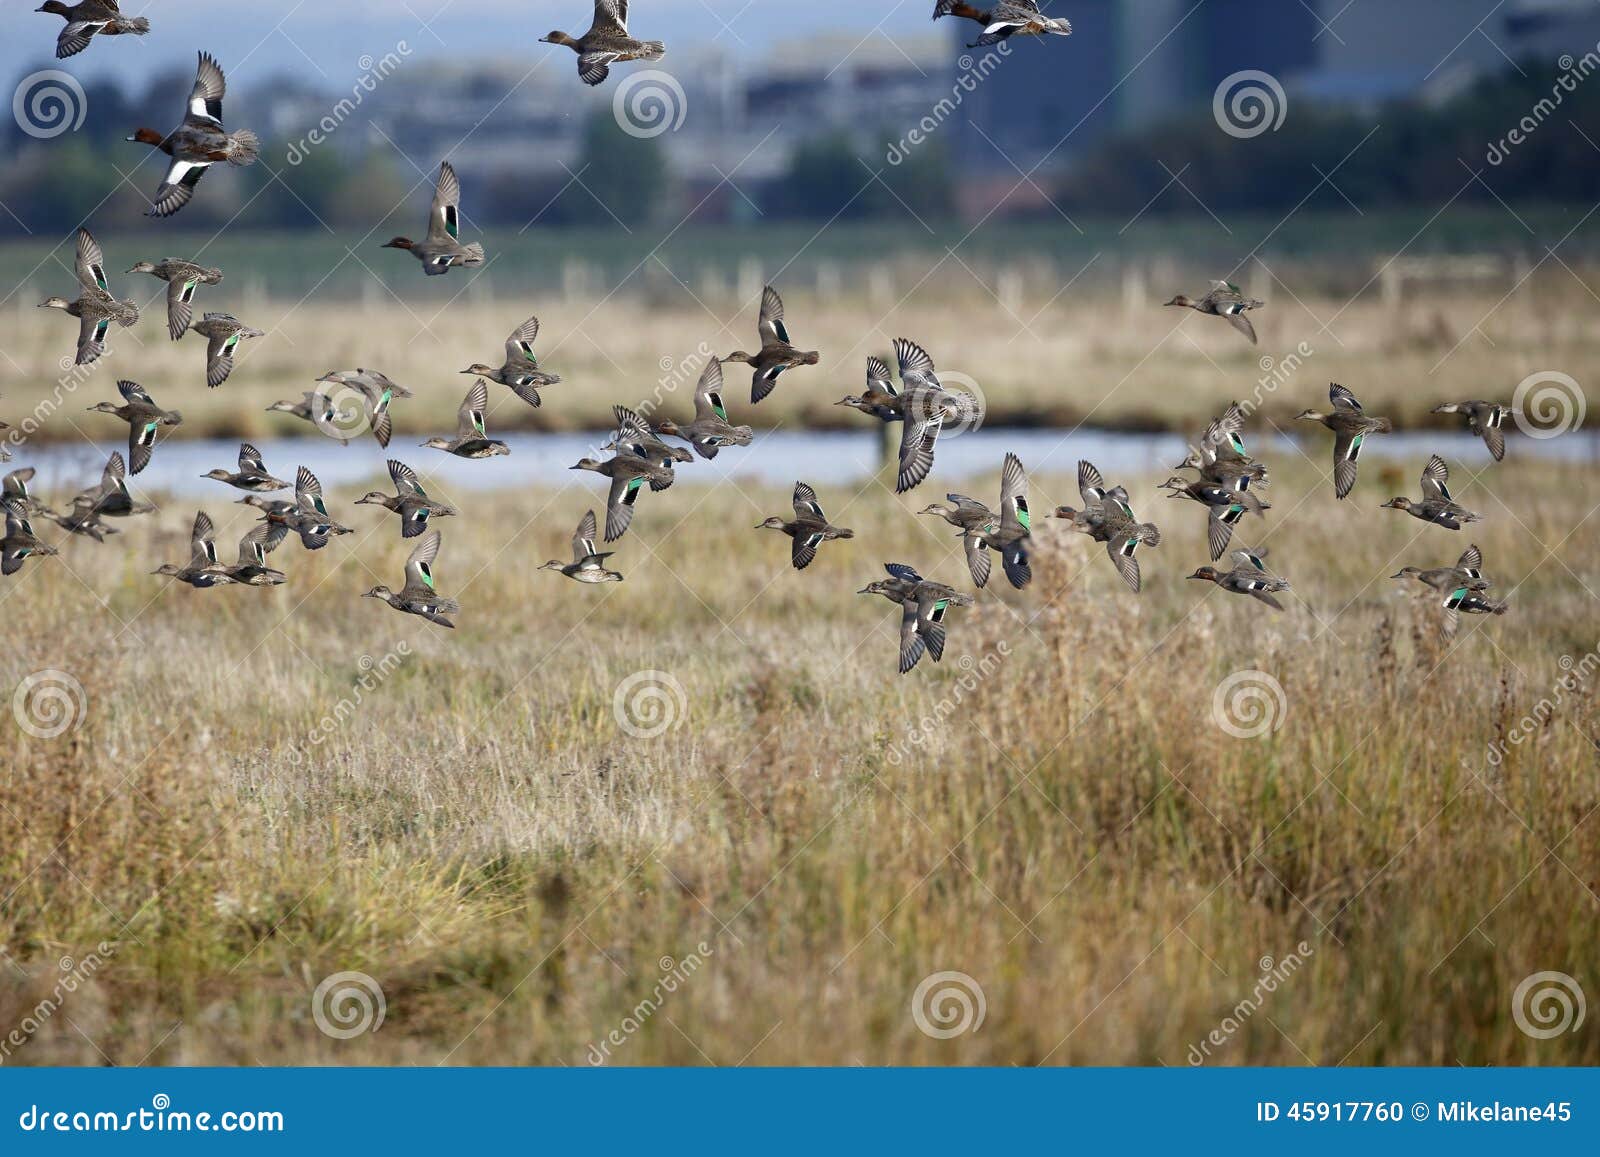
180 311
519 346
1219 527
619 505
1121 548
250 460
902 572
806 506
583 538
1342 398
419 569
205 99
1251 559
1471 561
253 547
1014 495
878 376
1240 322
202 542
919 433
1435 480
219 353
610 16
177 187
978 561
90 265
405 480
91 338
75 37
916 367
141 443
469 418
912 642
1346 451
770 324
444 217
1493 436
308 493
804 547
708 394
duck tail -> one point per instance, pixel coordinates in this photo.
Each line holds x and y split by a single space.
472 254
1150 533
1384 426
652 50
244 147
135 25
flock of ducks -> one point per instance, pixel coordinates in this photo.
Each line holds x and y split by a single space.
1226 480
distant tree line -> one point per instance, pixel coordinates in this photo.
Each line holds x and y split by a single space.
1419 155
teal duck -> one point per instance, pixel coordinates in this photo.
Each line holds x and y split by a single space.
1485 419
808 529
82 521
251 475
307 515
1225 507
1248 577
223 333
441 250
1436 505
471 440
14 489
588 564
923 604
372 389
95 307
983 530
1223 299
520 370
628 473
88 19
111 497
319 409
20 543
636 436
710 430
606 43
1005 19
199 142
1220 455
202 570
776 354
419 596
182 278
1107 517
252 569
879 398
1350 425
144 419
972 519
926 406
410 501
1468 573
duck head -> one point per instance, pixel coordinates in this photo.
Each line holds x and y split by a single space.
170 570
1209 573
398 243
553 564
436 443
103 408
147 137
219 474
737 356
874 588
773 523
935 508
558 38
373 498
1407 570
378 592
283 407
54 303
1066 512
143 267
1181 299
480 370
1308 416
668 426
55 6
1401 503
1192 462
850 400
587 464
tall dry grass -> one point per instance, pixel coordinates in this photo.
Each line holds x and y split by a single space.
474 829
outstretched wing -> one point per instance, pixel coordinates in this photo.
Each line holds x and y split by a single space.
806 505
205 99
770 324
444 218
1435 480
90 267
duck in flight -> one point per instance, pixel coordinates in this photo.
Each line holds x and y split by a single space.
199 142
606 43
442 250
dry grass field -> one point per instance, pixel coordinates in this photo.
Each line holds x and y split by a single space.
223 798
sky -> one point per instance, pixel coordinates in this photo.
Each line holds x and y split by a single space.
323 39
